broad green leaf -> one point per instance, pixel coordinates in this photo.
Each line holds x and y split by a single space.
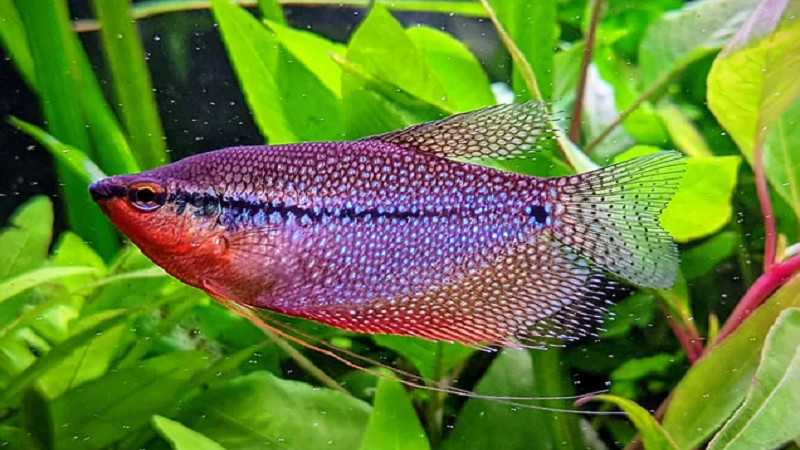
70 251
372 105
631 19
653 435
492 425
567 69
104 410
50 40
259 409
701 259
393 424
58 354
427 356
762 62
767 418
87 362
683 36
708 185
314 51
682 131
627 378
21 283
251 49
14 438
781 156
25 242
181 437
382 48
462 76
714 387
289 102
532 26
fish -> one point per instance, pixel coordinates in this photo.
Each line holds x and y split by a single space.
404 233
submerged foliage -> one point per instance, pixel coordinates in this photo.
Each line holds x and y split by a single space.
101 349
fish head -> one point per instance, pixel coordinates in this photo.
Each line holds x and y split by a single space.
143 207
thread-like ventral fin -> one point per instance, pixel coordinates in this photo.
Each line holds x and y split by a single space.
503 131
611 217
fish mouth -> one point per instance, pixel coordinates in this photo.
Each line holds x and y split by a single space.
106 189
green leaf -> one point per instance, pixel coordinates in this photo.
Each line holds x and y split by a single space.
381 47
70 251
682 131
271 10
708 185
50 40
492 425
132 87
25 242
373 105
104 410
462 76
58 354
259 409
634 311
424 354
181 437
701 259
15 41
394 424
72 158
653 436
314 52
767 418
761 61
21 283
686 35
715 386
289 103
248 44
533 27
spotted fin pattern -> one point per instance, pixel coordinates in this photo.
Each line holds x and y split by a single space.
503 131
611 217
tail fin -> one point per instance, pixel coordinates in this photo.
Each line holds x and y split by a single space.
611 217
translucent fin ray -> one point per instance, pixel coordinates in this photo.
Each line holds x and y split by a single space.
503 131
611 216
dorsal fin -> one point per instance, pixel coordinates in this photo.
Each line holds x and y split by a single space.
502 131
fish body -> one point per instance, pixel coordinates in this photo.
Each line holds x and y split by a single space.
392 235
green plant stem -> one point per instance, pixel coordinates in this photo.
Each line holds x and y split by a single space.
586 61
646 95
435 405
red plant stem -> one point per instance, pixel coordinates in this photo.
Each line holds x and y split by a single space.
766 205
764 286
577 110
690 343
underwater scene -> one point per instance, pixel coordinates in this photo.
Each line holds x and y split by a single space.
405 225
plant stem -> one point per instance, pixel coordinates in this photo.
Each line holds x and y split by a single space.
764 286
646 95
577 110
435 406
766 204
689 340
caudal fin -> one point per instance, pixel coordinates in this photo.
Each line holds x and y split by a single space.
611 217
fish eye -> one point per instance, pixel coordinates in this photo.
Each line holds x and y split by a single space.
147 196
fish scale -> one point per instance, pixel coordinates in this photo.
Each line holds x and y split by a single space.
396 234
